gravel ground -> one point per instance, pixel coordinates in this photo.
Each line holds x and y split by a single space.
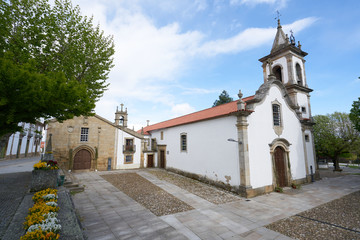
205 191
344 212
13 187
147 194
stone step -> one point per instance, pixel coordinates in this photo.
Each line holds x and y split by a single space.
71 185
76 189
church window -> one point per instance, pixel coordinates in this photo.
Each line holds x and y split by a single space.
84 136
277 72
161 135
183 142
298 74
276 114
303 109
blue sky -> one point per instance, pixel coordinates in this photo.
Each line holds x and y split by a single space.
175 57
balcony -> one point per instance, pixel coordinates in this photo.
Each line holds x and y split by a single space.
129 148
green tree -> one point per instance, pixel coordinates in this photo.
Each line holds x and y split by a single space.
355 114
334 134
54 62
223 98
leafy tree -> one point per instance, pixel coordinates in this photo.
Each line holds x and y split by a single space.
53 62
355 114
223 98
334 134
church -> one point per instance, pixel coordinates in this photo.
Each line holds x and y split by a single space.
249 146
253 144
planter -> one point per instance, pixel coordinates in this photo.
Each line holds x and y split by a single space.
43 179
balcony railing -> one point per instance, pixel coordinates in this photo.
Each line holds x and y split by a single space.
129 148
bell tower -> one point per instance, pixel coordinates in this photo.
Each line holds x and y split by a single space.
286 63
121 117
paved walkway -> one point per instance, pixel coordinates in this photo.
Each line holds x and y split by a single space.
18 165
107 213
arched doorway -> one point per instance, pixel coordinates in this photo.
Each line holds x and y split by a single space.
280 167
82 160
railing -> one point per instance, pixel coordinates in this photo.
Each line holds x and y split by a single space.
129 148
151 148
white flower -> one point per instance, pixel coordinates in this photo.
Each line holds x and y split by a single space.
50 225
49 196
53 204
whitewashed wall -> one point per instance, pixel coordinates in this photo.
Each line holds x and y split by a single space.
121 135
14 139
261 134
209 153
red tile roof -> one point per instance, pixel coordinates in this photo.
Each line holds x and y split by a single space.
205 114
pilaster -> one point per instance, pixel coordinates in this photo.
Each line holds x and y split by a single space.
242 129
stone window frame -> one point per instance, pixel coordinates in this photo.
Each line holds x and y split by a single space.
277 128
183 142
129 162
84 135
162 135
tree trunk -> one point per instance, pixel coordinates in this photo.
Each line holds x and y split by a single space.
336 164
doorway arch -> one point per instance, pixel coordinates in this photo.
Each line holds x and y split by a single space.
279 150
83 158
280 166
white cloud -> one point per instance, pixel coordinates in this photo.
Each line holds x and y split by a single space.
149 59
181 109
280 3
250 38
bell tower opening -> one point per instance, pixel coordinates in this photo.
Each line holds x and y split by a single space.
278 73
299 79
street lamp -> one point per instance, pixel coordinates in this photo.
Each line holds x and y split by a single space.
233 140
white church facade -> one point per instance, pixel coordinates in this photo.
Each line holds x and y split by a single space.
251 145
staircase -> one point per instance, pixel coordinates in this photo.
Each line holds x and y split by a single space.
73 187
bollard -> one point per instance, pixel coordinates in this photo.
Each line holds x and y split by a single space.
312 174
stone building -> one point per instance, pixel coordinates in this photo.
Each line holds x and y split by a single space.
95 143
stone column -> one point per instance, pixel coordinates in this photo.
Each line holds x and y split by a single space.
242 129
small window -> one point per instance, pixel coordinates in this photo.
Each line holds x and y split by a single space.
307 139
128 158
84 136
303 109
162 135
276 115
183 142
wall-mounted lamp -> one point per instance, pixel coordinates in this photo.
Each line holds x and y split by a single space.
233 140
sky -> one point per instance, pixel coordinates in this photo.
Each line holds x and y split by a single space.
175 57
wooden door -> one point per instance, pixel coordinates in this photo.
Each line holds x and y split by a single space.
162 159
82 160
280 166
150 160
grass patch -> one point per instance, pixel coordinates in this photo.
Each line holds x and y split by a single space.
356 167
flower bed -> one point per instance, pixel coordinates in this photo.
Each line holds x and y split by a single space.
44 175
42 222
